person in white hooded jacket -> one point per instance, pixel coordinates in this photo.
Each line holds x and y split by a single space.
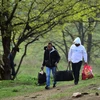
76 54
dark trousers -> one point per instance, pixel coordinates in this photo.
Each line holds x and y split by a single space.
12 69
76 70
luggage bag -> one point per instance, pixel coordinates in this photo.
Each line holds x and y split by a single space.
66 75
41 77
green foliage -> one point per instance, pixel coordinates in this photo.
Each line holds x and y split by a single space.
28 20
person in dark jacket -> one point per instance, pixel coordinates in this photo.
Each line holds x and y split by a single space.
12 65
11 59
51 59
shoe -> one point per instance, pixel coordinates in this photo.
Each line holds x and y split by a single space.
47 87
54 85
76 83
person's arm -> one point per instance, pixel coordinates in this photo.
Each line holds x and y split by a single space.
43 64
85 55
69 55
58 56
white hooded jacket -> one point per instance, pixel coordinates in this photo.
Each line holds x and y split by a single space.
77 53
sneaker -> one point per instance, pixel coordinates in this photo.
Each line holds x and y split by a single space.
54 85
47 87
76 83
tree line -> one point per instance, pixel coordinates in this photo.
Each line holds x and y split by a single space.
28 20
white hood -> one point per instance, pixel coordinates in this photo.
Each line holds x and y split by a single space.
77 41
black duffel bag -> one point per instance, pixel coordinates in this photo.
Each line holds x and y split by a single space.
41 77
66 75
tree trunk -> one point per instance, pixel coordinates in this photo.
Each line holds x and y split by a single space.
6 75
6 39
89 46
65 44
81 33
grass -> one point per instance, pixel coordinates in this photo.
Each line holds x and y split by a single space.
25 84
20 86
84 86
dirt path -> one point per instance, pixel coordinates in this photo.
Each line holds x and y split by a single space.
47 95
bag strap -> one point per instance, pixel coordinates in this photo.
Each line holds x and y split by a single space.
68 67
57 69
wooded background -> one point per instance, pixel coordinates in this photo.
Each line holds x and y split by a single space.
25 22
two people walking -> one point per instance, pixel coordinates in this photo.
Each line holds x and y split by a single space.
76 54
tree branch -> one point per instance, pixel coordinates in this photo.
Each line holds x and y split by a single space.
11 16
25 51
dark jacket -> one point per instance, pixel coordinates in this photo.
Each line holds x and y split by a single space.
10 57
50 57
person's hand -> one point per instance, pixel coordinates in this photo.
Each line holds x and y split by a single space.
42 67
56 64
14 65
85 63
69 63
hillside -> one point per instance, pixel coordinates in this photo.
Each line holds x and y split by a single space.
90 88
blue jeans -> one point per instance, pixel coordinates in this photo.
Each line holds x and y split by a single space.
48 71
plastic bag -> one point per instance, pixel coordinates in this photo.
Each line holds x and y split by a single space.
87 72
